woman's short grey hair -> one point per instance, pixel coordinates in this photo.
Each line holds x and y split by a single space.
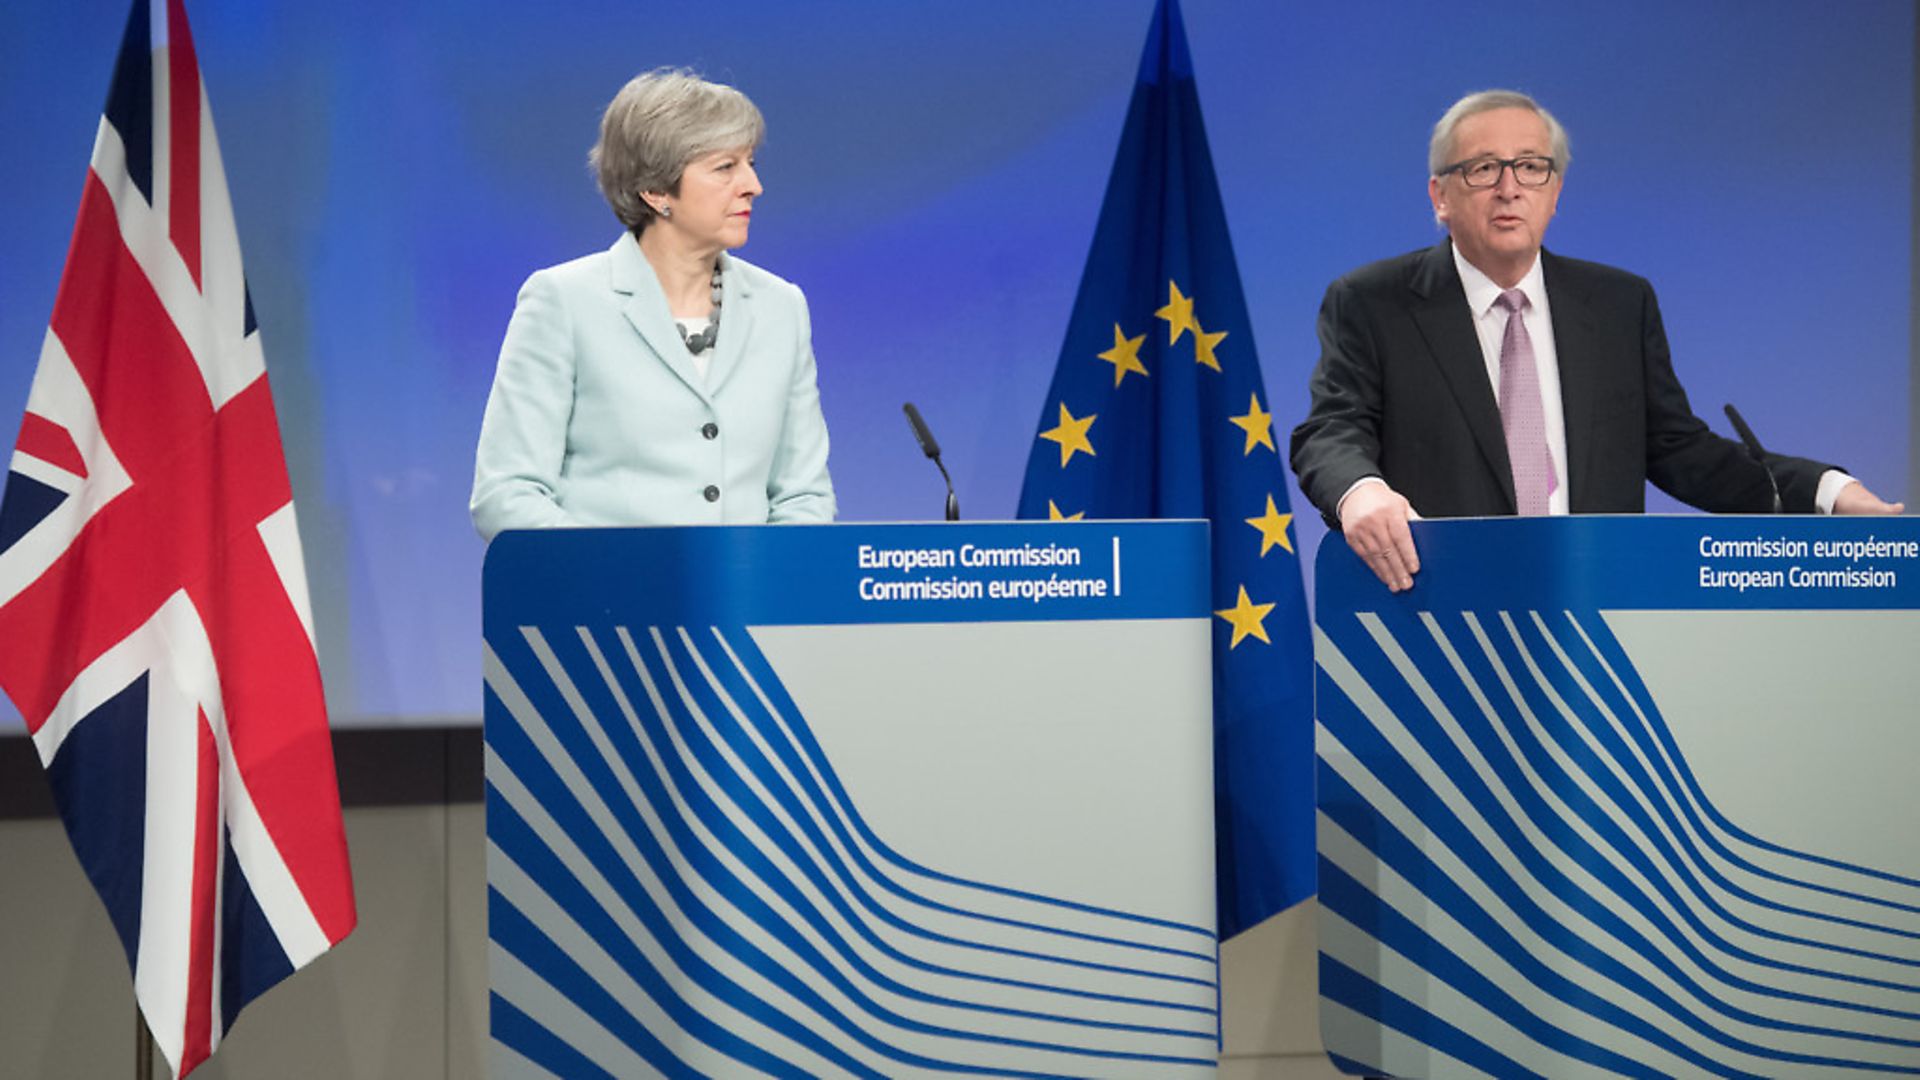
1440 150
655 125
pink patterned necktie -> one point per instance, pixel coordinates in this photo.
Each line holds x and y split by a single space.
1521 414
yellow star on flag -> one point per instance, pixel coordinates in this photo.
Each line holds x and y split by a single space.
1125 354
1248 619
1178 313
1273 528
1203 344
1054 514
1071 434
1257 424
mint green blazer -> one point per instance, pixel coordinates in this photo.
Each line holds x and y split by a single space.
598 416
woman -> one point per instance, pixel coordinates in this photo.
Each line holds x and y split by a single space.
661 381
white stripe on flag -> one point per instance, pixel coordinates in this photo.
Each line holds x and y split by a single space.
280 532
161 124
60 396
41 471
235 359
182 684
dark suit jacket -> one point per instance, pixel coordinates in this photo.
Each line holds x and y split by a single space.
1401 392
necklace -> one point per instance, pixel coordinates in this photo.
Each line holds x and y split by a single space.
702 341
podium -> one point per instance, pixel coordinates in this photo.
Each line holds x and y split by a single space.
1626 795
850 800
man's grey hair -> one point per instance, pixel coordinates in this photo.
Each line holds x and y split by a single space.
657 123
1440 150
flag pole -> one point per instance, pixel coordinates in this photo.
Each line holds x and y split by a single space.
142 1046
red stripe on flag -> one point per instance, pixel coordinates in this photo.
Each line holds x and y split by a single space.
246 464
42 438
183 123
277 724
207 836
147 391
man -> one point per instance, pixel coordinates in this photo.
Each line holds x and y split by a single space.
1487 376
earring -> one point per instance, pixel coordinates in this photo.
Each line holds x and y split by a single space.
666 211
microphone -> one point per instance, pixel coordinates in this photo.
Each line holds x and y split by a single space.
1755 451
932 450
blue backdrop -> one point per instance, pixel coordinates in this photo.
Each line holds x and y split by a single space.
933 172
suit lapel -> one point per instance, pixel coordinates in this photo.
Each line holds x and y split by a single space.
1440 310
1574 340
736 323
645 308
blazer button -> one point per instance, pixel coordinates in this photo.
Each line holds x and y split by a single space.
710 429
712 493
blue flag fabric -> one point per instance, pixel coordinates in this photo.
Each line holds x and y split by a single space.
1157 410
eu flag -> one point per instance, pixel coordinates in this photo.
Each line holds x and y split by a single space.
1157 410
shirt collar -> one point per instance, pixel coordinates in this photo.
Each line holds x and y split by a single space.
1482 291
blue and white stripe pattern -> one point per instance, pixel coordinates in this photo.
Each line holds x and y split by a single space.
1521 875
680 885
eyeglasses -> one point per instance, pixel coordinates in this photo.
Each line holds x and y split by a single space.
1485 172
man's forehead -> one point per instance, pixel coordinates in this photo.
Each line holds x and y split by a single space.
1518 129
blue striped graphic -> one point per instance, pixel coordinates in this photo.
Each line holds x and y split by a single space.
674 862
1521 874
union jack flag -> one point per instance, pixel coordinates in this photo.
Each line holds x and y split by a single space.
153 601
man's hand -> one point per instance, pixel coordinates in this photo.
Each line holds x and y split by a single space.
1374 517
1856 499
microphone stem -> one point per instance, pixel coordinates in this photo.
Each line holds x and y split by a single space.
953 501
